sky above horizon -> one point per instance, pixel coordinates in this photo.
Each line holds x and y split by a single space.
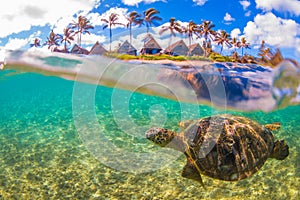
275 21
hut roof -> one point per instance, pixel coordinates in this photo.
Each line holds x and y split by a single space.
97 49
79 50
193 46
151 43
196 49
178 46
126 47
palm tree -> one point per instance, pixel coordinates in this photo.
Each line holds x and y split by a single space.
190 30
68 37
36 43
207 48
53 40
82 25
133 18
223 38
111 21
150 17
207 32
244 44
235 43
262 46
265 54
172 27
235 56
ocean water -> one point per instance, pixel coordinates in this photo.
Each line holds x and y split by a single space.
64 139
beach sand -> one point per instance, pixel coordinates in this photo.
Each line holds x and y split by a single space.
190 63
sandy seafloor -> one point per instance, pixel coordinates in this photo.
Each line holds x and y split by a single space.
42 156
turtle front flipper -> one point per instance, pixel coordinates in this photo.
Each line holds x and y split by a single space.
190 171
274 126
280 150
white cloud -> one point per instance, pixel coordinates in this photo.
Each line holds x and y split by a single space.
292 6
200 2
235 33
165 39
136 2
228 18
17 16
274 30
248 13
37 34
95 18
92 39
62 23
19 43
16 43
245 4
298 46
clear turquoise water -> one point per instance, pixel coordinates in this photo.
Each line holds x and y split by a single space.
43 157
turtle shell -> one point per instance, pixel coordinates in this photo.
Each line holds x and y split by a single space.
228 147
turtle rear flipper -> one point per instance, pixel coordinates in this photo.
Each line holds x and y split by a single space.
280 150
190 171
274 126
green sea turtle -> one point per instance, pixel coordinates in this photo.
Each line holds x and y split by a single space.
224 147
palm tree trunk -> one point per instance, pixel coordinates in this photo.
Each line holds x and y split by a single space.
110 38
79 39
130 33
205 47
65 45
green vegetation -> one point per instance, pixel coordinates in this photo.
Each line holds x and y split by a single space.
122 56
157 57
219 58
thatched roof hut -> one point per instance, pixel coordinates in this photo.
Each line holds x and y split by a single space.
79 50
127 48
150 46
97 49
178 48
196 50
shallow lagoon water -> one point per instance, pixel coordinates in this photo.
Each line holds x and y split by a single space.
42 155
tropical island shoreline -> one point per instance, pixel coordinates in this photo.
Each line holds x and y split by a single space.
177 51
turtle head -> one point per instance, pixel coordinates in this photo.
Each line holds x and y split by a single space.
160 136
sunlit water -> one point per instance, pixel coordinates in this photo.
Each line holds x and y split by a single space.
44 153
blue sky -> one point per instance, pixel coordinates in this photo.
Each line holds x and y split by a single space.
275 21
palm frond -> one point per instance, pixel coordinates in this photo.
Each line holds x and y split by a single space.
105 26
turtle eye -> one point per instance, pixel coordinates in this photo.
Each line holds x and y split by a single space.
161 140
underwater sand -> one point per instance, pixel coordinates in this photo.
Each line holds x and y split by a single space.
42 156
